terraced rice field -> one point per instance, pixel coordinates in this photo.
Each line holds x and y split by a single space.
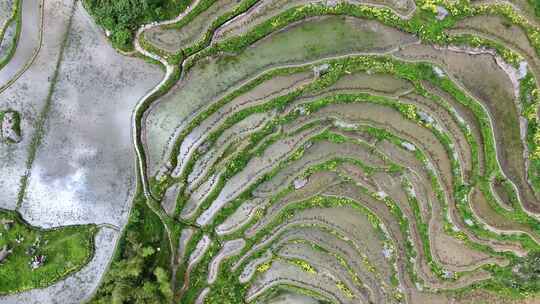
374 151
9 24
347 152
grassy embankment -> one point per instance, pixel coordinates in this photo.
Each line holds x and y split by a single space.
67 250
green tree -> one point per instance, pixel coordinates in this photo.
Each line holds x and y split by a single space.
131 280
122 17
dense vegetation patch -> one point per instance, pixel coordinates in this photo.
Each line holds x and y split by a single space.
140 272
121 18
34 258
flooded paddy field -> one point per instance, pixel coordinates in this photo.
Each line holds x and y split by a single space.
265 10
29 100
83 169
55 175
498 29
496 92
8 28
285 152
6 11
28 42
173 38
294 45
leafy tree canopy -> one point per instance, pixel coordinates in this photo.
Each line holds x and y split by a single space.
122 17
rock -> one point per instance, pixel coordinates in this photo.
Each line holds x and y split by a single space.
31 250
301 110
164 171
10 128
345 125
441 13
6 223
37 261
4 253
37 241
522 70
387 251
205 147
34 247
447 274
411 191
299 183
381 195
332 3
408 146
321 70
438 71
401 3
425 117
